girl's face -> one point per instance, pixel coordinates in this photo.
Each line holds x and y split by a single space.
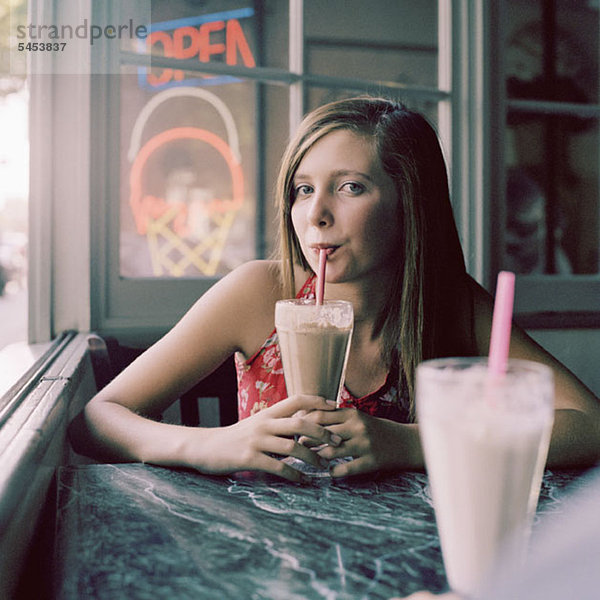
346 203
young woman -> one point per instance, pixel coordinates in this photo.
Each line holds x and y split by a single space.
365 179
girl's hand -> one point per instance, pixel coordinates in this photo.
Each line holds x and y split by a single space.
259 442
374 443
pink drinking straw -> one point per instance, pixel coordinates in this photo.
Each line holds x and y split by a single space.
501 323
321 276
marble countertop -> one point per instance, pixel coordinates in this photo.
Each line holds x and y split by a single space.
137 531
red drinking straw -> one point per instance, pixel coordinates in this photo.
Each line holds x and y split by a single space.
501 323
321 276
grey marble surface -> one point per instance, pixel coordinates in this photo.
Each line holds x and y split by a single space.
136 531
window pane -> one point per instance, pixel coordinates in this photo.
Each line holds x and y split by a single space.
14 186
552 223
551 151
191 144
222 31
552 50
379 40
319 96
188 201
273 34
275 120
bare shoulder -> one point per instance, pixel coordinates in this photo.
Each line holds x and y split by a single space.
242 304
259 276
255 278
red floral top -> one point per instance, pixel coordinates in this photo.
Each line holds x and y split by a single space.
261 383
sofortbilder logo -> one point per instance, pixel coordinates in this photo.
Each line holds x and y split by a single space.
85 31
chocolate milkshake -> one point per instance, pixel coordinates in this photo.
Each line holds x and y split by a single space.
314 342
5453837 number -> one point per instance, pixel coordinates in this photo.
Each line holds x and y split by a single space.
42 46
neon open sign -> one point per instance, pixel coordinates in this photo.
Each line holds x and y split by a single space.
196 37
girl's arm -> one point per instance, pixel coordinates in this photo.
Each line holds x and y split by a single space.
576 433
234 315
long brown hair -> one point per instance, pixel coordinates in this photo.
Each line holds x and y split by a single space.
427 288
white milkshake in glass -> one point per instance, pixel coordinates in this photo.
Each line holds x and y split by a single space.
485 440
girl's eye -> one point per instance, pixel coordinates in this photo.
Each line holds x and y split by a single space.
302 190
353 188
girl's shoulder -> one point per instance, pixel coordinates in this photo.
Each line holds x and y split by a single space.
263 279
247 292
253 289
259 277
238 311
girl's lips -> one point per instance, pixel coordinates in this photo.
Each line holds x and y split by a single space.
329 249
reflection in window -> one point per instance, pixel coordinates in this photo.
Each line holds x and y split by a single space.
552 174
188 148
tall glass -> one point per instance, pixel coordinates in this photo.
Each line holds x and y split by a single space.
485 442
314 342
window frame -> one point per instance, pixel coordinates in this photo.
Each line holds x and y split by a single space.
542 301
546 297
72 290
59 189
115 302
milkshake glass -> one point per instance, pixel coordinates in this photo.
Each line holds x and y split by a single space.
314 342
485 439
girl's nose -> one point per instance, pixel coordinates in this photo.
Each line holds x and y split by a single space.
320 214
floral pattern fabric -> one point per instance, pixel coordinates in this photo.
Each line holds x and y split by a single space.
261 382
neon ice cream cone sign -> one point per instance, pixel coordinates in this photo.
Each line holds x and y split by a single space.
165 223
